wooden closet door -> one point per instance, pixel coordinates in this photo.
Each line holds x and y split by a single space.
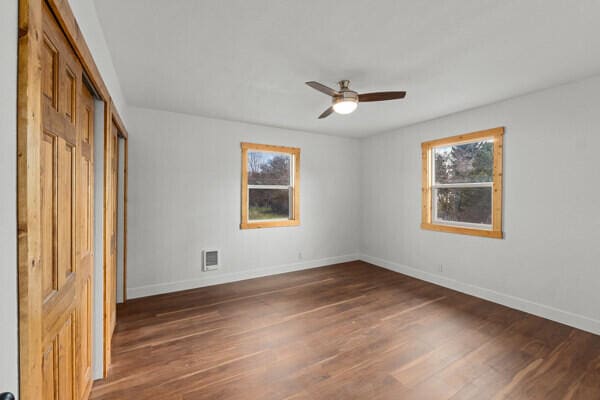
111 225
86 239
115 226
66 220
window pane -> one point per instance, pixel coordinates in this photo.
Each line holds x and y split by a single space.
266 168
464 163
269 204
472 205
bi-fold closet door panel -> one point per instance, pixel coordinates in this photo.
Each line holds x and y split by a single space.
66 202
111 171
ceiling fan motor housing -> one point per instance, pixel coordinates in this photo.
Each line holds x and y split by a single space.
347 95
346 102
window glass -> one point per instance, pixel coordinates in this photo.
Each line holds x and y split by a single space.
268 204
464 163
266 168
470 205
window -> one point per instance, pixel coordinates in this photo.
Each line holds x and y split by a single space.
462 184
270 186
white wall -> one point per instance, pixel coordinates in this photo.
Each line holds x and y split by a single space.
9 368
184 196
549 261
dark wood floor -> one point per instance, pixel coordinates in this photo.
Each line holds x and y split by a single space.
349 331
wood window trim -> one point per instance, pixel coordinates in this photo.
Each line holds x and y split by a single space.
497 134
295 219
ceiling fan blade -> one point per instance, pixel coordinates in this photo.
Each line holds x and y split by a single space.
380 96
322 88
326 113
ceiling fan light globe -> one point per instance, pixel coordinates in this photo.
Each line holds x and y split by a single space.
345 106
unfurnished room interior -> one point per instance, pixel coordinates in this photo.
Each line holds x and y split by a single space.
300 200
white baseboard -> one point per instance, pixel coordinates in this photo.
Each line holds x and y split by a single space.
216 278
564 317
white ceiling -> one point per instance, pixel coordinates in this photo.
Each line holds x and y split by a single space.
247 60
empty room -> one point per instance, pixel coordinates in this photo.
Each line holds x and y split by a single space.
300 200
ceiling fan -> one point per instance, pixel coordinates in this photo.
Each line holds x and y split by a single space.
345 101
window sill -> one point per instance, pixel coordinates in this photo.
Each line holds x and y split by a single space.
269 224
463 231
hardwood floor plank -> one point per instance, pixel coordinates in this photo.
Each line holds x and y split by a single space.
348 331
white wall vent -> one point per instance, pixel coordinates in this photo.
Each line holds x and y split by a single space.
210 260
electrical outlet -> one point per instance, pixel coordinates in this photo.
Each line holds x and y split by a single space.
440 267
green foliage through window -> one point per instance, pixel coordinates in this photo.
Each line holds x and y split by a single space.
269 179
268 168
269 204
464 164
472 205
